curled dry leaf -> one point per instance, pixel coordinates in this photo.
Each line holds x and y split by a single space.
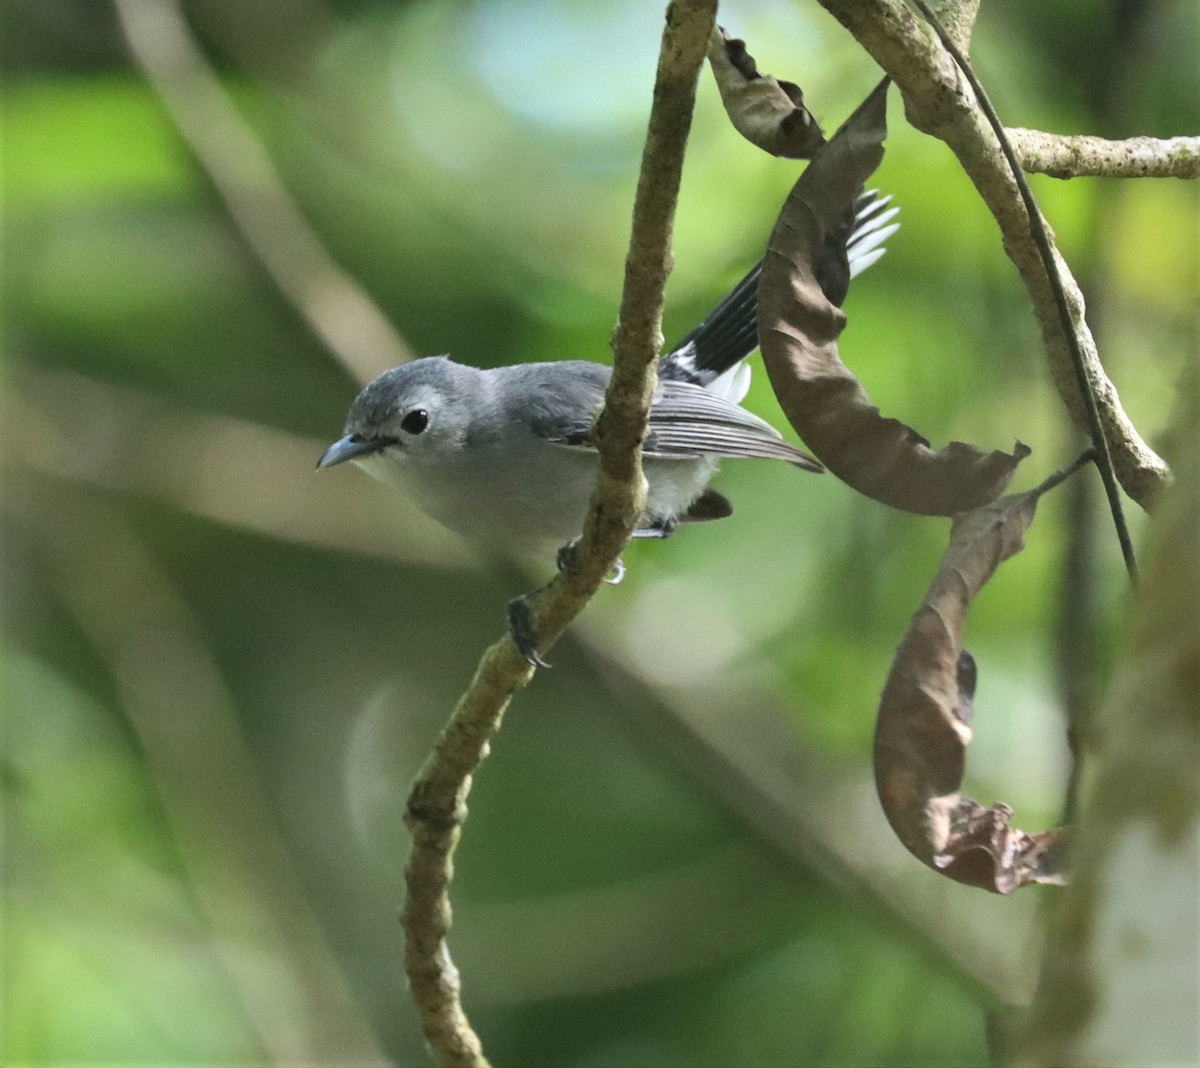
767 112
924 722
799 323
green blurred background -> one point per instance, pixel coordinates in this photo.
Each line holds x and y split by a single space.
222 670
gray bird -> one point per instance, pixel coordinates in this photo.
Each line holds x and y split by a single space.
505 457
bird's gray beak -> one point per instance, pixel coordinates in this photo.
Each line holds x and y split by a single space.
351 448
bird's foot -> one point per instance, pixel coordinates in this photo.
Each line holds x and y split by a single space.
660 528
520 628
567 559
568 563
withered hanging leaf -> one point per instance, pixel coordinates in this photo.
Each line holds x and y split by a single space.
768 113
799 323
924 722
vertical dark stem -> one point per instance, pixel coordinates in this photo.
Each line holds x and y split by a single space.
1041 239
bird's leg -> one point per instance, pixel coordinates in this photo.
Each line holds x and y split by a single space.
520 625
520 628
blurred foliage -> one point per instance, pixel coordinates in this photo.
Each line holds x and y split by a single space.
221 672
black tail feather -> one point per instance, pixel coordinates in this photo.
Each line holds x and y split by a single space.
729 333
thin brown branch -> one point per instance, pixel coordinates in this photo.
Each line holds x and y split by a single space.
437 804
939 102
329 300
1078 156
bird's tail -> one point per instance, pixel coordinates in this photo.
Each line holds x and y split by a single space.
711 354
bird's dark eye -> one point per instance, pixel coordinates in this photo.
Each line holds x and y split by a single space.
416 421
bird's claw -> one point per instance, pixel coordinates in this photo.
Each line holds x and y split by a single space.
520 628
618 573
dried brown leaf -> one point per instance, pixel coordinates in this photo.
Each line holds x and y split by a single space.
924 722
804 280
767 112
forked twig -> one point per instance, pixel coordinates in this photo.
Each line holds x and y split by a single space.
937 102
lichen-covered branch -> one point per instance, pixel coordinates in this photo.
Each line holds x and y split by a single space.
958 19
1078 156
437 804
939 102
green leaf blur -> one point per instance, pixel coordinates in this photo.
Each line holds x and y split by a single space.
223 670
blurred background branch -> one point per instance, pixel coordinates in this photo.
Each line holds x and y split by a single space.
67 426
259 921
330 301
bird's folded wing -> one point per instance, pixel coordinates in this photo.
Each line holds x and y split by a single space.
688 423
